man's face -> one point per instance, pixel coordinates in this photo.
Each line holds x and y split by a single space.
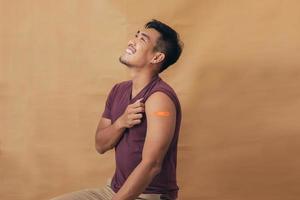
140 49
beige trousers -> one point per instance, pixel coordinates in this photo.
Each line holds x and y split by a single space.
105 193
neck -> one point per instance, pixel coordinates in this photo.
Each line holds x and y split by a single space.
141 79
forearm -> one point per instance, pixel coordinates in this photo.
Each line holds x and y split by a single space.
107 138
138 180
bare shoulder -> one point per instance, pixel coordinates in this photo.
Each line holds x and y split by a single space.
159 99
160 105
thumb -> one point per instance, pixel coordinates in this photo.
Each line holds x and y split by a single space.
137 102
140 99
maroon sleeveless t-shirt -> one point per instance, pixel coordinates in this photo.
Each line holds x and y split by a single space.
128 150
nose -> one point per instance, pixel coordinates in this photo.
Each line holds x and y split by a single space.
132 42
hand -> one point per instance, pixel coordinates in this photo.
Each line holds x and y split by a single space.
132 115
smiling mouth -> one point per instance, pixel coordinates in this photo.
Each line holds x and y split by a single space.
130 50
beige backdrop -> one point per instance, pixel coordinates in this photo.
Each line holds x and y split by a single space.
238 82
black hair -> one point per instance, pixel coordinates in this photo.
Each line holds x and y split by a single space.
168 43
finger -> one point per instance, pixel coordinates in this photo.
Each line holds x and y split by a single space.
138 103
137 116
138 110
139 100
137 121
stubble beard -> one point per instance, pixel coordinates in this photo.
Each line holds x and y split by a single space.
123 61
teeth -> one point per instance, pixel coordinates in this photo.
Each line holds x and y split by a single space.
129 51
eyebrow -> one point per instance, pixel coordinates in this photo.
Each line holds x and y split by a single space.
144 34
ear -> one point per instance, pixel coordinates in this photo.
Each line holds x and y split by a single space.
158 57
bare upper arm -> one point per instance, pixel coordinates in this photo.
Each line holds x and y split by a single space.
161 121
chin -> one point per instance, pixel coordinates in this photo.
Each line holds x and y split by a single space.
124 61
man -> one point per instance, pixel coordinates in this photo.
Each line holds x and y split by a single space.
141 121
